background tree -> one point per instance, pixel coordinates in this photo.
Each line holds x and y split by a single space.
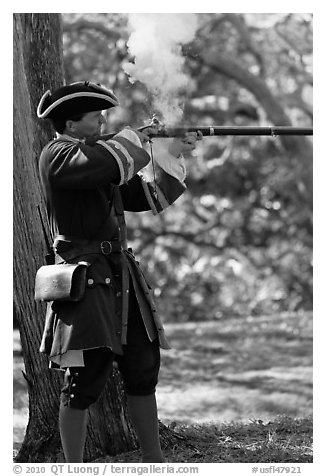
239 241
32 77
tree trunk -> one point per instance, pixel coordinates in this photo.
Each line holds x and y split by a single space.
38 67
28 243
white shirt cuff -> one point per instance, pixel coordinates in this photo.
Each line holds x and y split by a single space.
131 136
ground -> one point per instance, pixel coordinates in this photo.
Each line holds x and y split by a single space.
255 372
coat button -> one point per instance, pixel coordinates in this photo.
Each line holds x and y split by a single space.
90 281
107 280
72 395
73 385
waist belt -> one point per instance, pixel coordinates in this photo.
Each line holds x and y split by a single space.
64 244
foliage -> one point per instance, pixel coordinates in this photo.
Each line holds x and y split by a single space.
240 240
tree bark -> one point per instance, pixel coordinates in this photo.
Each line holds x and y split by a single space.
38 67
28 243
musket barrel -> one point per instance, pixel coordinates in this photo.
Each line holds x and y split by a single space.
223 131
238 131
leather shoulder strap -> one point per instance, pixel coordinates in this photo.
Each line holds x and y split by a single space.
119 210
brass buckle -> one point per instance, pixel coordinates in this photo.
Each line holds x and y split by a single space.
103 245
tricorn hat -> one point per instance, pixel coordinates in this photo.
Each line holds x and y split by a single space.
74 99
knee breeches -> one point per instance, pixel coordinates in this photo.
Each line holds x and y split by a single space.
139 366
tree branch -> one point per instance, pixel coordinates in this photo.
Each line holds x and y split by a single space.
295 146
238 21
81 24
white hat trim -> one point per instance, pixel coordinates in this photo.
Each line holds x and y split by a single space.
71 96
39 107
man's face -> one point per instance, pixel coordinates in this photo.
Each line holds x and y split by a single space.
89 126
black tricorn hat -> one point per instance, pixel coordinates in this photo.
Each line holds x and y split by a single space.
74 99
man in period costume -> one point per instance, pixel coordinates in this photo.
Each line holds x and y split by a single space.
88 183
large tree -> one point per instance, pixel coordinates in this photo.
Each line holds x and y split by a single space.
38 67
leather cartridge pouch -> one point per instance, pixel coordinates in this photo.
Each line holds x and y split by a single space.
61 282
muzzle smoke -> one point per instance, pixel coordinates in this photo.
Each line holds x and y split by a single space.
155 43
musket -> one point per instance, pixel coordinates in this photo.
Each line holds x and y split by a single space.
179 131
235 131
158 129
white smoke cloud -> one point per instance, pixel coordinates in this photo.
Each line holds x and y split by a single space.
155 43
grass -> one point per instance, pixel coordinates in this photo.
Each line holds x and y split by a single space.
239 390
285 440
237 370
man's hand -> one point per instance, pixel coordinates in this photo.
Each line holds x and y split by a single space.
145 133
185 145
